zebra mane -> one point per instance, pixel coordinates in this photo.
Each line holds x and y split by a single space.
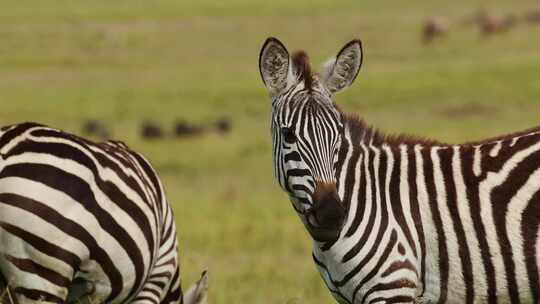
303 68
362 132
525 132
365 133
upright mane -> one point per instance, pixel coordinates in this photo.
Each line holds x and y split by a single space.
303 68
362 132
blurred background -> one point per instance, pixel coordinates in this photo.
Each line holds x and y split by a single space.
179 82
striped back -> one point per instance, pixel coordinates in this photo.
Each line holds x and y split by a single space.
73 209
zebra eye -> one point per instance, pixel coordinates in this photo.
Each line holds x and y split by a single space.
288 134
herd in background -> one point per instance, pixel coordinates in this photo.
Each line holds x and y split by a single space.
487 23
433 28
152 130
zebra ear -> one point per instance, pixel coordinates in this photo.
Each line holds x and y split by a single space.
274 64
339 73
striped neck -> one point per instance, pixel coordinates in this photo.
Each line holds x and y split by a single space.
360 141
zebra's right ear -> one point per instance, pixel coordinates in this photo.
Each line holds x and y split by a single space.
274 61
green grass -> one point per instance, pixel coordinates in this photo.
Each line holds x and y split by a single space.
128 61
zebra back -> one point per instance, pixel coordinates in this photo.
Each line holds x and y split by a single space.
71 208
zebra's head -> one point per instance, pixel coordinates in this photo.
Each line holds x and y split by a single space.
307 129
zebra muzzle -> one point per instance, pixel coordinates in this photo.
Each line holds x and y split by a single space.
327 215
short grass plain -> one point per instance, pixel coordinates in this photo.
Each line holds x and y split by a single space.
124 62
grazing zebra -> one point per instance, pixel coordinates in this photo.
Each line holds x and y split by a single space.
397 219
83 218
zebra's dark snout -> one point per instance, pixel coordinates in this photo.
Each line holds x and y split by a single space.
328 213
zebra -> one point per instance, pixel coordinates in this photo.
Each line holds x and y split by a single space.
83 219
401 219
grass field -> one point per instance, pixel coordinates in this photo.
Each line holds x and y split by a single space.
124 62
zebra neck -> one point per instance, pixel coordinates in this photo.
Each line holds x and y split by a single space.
374 176
368 155
371 183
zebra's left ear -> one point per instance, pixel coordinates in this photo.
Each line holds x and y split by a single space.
339 73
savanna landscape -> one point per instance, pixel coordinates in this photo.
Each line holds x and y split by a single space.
126 62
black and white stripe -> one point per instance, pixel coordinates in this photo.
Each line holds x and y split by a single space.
75 211
403 220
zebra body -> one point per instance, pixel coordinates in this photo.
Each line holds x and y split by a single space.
450 222
399 219
76 211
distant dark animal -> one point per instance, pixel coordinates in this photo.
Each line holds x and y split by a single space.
533 17
223 126
435 27
184 128
80 218
491 24
396 219
151 130
95 128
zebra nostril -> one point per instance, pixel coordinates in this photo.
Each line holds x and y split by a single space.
328 210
